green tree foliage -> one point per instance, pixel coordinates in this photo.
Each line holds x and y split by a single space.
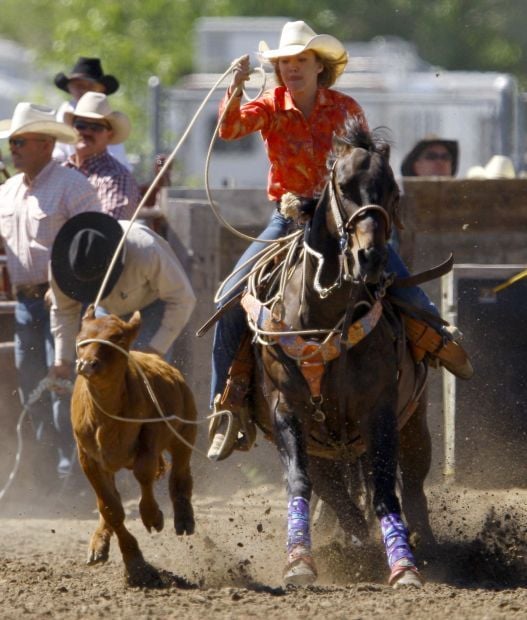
483 35
140 38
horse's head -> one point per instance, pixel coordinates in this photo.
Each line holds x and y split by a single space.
362 199
102 344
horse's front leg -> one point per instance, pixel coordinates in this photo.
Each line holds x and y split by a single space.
300 569
415 455
382 446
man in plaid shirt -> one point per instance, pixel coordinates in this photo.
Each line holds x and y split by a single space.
98 126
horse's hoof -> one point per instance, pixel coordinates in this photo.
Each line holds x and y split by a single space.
300 572
405 577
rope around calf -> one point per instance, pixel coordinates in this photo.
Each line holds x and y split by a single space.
163 418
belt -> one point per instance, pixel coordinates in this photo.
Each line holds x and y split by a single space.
31 291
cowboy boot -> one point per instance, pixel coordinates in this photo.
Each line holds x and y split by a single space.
441 346
231 428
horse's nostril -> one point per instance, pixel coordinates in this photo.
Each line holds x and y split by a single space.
370 256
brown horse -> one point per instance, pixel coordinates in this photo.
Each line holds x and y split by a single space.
334 376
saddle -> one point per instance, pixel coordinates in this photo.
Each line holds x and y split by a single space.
425 343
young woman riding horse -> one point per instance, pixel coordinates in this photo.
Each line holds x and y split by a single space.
297 121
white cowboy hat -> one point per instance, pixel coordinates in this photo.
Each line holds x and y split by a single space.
297 37
95 105
33 118
500 167
476 172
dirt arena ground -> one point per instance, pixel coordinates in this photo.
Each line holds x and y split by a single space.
231 567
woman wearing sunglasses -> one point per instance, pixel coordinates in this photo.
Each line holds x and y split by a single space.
431 157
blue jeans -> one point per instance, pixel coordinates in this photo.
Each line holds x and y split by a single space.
232 325
151 317
34 354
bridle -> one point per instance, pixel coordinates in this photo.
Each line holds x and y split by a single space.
344 222
345 225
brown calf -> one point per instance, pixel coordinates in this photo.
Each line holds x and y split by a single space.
109 384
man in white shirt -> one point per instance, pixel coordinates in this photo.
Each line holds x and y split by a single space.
147 277
34 205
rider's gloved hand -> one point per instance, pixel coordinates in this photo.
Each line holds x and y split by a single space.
241 72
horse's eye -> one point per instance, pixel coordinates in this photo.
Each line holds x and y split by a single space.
344 190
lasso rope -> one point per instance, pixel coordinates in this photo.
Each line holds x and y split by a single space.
122 241
156 180
266 255
212 204
45 384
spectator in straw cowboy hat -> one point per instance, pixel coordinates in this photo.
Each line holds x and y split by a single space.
98 127
86 75
431 157
34 204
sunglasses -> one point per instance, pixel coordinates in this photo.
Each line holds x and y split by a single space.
433 156
85 126
20 142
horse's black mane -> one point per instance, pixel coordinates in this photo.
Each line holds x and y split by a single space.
355 135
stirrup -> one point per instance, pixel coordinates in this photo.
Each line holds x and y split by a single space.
222 441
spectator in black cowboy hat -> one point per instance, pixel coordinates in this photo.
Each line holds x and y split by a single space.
87 75
431 157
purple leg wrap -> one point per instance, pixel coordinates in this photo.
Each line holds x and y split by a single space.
298 523
395 536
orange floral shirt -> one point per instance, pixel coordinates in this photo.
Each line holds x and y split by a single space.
297 147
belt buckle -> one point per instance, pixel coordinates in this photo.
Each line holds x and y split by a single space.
31 291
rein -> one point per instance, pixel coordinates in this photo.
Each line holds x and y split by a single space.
344 224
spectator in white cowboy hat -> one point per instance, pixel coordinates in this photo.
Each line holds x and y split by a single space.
99 126
498 167
86 75
147 277
431 157
34 204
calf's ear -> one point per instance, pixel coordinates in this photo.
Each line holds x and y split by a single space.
135 320
90 312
